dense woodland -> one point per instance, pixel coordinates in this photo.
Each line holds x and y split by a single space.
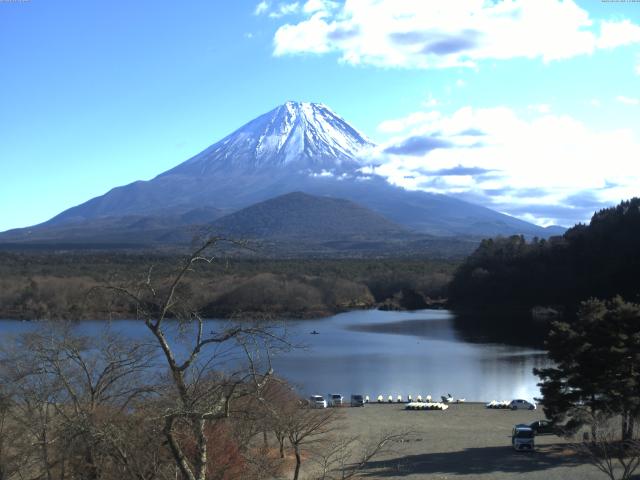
59 285
596 260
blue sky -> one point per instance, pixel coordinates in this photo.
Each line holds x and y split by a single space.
98 94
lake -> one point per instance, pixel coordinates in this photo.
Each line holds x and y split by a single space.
384 352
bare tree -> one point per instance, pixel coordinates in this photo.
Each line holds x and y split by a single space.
617 459
308 427
68 391
347 457
12 438
33 395
275 407
205 372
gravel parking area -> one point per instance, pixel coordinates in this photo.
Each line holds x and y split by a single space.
466 441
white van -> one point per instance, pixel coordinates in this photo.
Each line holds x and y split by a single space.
335 400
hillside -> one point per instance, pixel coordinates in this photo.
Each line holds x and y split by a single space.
596 260
302 216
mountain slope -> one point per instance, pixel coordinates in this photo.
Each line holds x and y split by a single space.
302 216
303 136
267 157
296 147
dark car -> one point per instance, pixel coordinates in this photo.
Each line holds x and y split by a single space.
542 427
539 427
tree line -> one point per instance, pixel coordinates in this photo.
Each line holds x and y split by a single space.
54 285
596 260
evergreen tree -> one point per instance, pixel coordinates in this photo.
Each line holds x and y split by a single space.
597 368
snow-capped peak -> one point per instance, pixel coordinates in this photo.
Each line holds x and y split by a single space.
301 135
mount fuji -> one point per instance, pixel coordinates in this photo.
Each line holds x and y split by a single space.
296 147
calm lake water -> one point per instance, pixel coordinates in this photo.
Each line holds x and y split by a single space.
389 353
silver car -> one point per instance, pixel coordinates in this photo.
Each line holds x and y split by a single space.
317 401
519 404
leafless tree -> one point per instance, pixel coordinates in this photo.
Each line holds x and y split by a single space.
616 459
309 427
207 372
12 438
275 407
347 457
67 394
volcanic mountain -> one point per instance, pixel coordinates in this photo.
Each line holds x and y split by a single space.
296 147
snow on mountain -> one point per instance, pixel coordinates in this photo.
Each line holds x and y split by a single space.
304 136
296 147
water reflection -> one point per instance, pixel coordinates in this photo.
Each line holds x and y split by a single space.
508 327
404 353
375 352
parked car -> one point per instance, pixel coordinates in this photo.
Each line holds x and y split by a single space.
357 401
317 401
542 427
335 400
522 438
520 404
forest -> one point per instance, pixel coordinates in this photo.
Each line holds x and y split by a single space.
61 285
596 260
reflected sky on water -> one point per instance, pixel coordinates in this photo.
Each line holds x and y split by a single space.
383 352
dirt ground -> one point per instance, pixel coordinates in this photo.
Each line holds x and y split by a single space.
466 441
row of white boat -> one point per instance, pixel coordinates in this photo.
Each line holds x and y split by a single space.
426 406
419 399
498 404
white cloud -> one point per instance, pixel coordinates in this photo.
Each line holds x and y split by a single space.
540 108
311 39
261 8
285 9
402 124
551 169
323 173
406 33
628 100
616 34
313 6
282 9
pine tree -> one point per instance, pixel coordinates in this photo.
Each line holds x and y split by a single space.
597 368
